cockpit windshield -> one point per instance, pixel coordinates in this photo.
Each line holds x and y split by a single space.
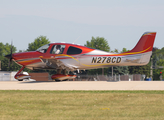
43 49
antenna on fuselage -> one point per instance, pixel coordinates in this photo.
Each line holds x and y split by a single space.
76 39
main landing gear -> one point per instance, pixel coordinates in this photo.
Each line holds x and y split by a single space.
57 77
19 76
64 76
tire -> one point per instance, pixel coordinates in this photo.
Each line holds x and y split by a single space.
58 80
20 80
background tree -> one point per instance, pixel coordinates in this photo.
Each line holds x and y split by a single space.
157 71
38 42
124 50
114 51
5 50
1 50
144 70
98 43
118 70
158 60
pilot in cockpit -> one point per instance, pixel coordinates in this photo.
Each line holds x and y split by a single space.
58 49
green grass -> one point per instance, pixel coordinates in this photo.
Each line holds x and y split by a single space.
80 105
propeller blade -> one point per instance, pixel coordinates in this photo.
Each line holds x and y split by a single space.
11 49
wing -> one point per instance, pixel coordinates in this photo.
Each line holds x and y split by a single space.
55 63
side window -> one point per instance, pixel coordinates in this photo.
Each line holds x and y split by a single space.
57 49
73 50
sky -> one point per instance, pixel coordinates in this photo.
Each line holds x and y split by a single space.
120 22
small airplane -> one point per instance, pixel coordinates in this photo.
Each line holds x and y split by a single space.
65 57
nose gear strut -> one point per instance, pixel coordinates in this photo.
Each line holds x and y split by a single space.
19 76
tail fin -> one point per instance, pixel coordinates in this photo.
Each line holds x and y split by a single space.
142 51
145 44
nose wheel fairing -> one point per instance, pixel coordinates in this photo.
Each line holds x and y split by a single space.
19 76
22 76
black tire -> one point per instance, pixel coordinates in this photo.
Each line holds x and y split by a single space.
20 80
65 80
58 80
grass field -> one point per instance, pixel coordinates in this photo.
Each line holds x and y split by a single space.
80 105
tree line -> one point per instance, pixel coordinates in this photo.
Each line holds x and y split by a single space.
97 43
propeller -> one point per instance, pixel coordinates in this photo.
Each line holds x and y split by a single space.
9 56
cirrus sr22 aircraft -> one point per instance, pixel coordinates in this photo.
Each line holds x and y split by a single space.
65 57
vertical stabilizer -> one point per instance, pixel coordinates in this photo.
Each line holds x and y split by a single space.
145 44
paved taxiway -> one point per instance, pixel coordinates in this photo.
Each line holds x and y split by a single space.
82 85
